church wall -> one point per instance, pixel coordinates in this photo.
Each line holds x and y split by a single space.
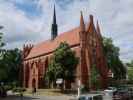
38 69
40 66
78 68
89 51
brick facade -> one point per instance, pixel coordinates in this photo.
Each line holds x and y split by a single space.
85 40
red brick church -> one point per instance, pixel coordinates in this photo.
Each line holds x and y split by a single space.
85 40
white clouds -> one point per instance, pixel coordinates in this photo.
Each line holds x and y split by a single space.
115 17
17 27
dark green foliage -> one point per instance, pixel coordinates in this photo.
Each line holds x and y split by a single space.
10 65
130 71
62 64
1 41
113 60
18 89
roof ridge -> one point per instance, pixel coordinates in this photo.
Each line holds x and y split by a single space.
71 37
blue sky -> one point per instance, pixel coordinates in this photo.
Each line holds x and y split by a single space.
30 8
29 21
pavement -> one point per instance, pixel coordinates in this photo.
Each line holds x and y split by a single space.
44 96
14 97
40 97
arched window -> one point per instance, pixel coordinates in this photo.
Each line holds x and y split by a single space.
27 74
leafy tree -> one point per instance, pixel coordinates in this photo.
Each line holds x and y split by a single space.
130 74
1 41
1 45
62 64
130 71
3 74
10 65
113 60
53 72
3 71
13 61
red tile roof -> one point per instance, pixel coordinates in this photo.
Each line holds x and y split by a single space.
71 37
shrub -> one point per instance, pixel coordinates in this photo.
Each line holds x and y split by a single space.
18 89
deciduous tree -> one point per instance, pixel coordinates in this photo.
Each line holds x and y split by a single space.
63 63
114 63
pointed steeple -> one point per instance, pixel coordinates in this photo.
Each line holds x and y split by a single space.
54 17
91 27
98 30
82 24
54 29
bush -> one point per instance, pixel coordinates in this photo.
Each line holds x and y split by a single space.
84 89
7 87
2 91
18 89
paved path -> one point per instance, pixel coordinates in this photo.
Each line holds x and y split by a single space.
44 97
13 97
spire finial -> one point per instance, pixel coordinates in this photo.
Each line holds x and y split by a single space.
54 17
91 26
54 29
91 18
82 25
98 28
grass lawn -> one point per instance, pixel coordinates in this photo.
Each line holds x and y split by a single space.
43 92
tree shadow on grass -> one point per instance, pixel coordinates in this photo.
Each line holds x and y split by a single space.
14 97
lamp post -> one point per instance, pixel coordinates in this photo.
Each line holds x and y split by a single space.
79 88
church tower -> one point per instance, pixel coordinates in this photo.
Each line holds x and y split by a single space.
54 29
82 32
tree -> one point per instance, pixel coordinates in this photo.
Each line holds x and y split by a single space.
13 61
1 41
1 45
130 71
3 72
113 60
10 65
62 64
130 74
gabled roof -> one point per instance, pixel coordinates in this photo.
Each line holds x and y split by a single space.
71 37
